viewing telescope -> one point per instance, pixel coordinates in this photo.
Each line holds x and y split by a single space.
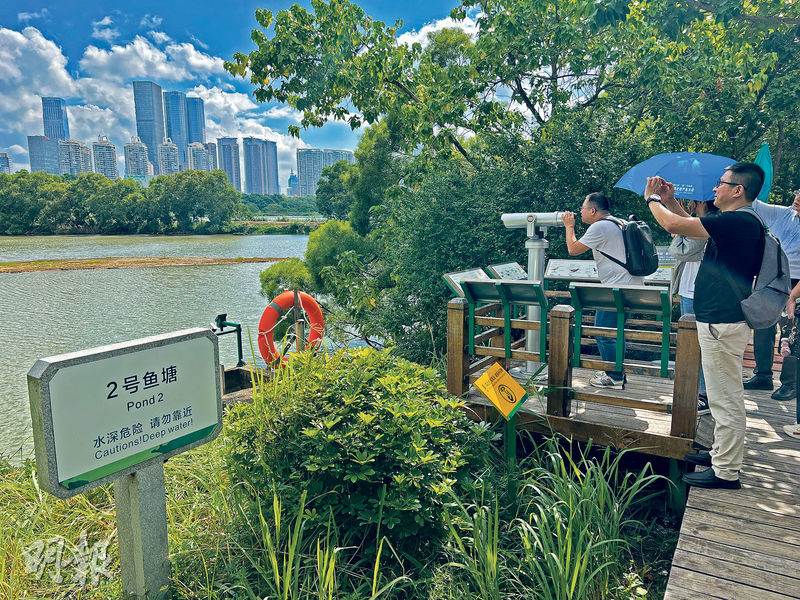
536 219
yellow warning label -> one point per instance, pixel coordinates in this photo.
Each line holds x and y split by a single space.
502 390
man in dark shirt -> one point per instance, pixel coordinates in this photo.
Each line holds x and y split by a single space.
732 258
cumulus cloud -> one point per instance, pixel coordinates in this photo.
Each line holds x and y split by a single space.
150 21
159 37
141 59
284 112
469 25
26 17
101 29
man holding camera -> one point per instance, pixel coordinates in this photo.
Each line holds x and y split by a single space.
602 236
732 258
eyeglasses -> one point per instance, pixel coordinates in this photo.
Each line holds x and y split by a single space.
720 182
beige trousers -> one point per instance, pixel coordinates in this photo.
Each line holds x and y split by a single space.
722 349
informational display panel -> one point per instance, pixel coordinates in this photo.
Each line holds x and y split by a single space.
454 280
586 270
510 270
103 412
572 270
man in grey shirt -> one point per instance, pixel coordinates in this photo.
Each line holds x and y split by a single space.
784 224
602 236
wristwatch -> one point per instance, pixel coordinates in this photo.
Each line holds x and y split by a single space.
653 198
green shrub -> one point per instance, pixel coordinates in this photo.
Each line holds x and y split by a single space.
373 440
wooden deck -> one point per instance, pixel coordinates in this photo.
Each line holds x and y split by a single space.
745 544
734 544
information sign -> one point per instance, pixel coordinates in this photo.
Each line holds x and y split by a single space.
454 280
510 270
502 390
101 413
572 270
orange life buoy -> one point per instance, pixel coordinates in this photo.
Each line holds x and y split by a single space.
273 312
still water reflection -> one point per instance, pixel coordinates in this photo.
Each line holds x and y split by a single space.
52 312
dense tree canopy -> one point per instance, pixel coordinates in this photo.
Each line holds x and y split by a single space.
91 203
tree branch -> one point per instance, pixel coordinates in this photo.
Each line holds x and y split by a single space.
526 99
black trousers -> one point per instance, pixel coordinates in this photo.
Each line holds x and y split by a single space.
764 351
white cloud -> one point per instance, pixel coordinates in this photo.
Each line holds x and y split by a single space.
159 37
284 112
141 58
198 41
150 21
17 149
468 25
102 31
199 62
26 17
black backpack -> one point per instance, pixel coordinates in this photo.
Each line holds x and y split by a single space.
641 256
770 291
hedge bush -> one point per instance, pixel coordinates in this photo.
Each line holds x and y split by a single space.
375 441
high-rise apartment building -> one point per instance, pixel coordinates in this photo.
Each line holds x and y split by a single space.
260 166
54 115
333 156
168 158
228 149
311 161
43 154
213 165
309 169
5 163
136 162
195 120
74 157
175 119
198 157
149 107
294 186
105 157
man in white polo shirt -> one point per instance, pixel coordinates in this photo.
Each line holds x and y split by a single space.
602 236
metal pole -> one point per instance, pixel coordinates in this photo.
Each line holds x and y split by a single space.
537 245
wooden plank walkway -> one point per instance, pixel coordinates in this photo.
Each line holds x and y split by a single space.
745 544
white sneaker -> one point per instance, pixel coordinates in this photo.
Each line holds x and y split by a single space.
601 380
793 431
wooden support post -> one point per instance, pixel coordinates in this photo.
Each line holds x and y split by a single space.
559 368
457 358
503 340
687 379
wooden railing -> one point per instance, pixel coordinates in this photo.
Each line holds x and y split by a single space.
463 368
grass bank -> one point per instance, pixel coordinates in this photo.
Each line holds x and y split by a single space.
123 262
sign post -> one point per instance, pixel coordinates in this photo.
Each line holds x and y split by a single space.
116 413
507 396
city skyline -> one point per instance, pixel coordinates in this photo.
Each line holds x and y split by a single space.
259 157
90 54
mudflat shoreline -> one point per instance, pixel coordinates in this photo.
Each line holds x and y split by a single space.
123 262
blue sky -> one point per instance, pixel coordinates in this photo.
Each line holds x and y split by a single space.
89 52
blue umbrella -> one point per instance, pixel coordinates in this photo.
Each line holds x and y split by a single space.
694 174
764 160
